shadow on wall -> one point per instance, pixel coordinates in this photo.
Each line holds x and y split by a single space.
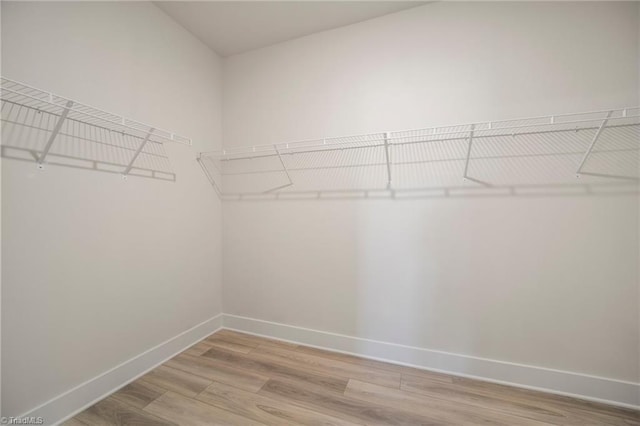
553 159
26 132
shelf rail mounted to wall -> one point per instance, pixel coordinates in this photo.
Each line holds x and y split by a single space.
24 106
586 150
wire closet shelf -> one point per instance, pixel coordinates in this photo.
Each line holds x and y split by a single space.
589 148
70 119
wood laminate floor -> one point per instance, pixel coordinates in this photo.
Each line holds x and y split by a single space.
231 378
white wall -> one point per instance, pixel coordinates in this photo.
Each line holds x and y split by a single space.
96 270
547 281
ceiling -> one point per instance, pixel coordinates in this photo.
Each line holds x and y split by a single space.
232 27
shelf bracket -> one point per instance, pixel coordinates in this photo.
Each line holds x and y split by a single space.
386 156
286 172
137 153
54 133
466 163
200 161
593 143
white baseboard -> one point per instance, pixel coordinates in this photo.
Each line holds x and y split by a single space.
84 395
599 389
592 388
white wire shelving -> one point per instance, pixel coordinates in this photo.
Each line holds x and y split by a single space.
586 150
47 125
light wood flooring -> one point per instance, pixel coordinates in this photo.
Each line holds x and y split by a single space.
231 378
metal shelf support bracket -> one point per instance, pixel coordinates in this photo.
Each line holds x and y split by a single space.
136 154
286 172
466 163
386 156
54 134
593 143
